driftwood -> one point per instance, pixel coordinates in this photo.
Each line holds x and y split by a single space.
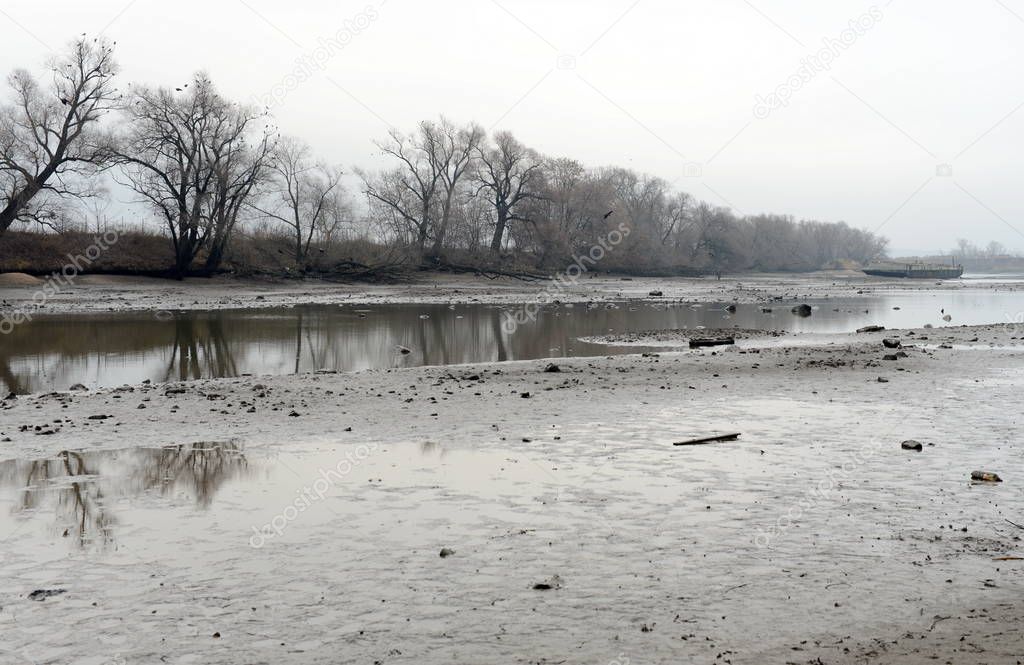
700 342
708 439
490 273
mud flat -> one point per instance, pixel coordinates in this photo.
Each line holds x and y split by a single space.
577 532
90 293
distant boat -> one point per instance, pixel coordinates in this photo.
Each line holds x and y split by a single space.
915 270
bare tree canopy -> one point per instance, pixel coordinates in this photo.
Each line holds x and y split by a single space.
305 196
419 195
195 158
49 133
512 175
450 195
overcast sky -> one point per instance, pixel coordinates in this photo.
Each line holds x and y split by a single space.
914 127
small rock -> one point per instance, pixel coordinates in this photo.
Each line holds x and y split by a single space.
891 343
404 351
890 357
552 368
553 582
912 445
871 329
78 387
525 395
445 552
731 309
655 294
985 477
99 417
802 310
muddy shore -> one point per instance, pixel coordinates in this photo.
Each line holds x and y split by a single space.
814 538
92 293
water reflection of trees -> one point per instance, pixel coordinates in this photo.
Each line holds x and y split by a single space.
82 486
78 499
55 352
200 349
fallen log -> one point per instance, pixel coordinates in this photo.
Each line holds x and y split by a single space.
708 439
483 271
700 342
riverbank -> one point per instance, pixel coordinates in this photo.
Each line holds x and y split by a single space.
813 536
95 293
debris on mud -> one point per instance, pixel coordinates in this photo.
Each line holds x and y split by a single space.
42 594
553 582
985 477
701 342
708 439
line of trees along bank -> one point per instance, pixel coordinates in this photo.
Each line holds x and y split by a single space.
209 168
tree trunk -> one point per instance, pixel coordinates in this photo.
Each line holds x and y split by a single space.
8 215
216 255
184 253
18 202
499 232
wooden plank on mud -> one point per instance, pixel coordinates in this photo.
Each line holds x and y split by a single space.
708 439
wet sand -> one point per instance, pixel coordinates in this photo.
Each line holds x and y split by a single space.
813 538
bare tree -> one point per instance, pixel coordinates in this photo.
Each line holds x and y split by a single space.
420 192
239 169
305 196
187 155
407 194
512 175
49 135
454 150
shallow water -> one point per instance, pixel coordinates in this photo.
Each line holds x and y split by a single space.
99 350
